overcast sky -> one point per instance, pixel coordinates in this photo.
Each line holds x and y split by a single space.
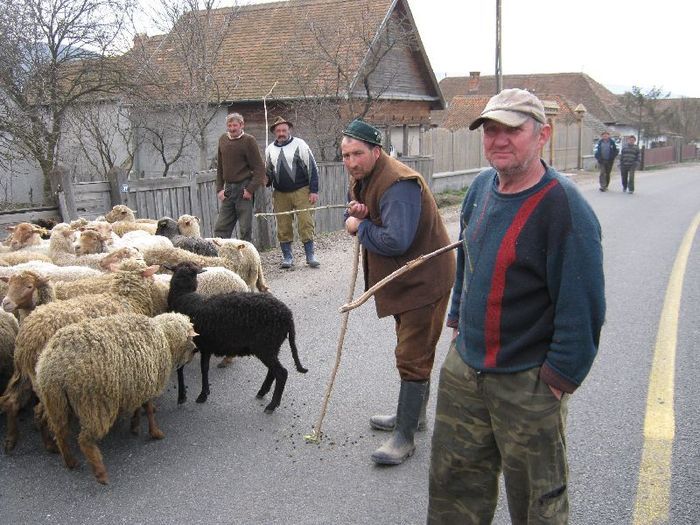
619 43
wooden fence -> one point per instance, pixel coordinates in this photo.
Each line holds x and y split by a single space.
668 155
195 194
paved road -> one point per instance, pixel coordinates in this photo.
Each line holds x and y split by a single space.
228 462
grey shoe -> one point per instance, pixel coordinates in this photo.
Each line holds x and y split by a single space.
287 260
310 258
386 423
400 446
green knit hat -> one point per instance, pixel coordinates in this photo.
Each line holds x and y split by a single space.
360 130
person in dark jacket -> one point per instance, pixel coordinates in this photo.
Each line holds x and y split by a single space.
527 309
629 162
605 153
396 219
292 172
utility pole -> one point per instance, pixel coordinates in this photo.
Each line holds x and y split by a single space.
499 72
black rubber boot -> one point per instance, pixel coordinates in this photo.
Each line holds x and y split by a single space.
310 258
287 260
400 445
386 423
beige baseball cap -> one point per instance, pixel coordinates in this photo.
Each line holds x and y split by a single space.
511 107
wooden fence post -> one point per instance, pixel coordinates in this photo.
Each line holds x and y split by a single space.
118 185
63 186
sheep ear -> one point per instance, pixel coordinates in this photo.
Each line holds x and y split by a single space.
114 267
217 242
241 247
10 228
196 218
168 267
192 333
201 270
5 279
148 272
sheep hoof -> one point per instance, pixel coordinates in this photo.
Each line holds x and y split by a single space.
157 434
201 398
71 463
181 399
269 409
259 395
10 445
102 479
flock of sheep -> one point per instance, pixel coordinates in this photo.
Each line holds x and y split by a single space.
96 315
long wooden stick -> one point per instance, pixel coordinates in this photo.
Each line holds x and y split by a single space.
291 212
405 268
315 436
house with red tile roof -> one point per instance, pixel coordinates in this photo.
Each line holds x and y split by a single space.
318 63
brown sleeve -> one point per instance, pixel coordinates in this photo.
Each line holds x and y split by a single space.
219 172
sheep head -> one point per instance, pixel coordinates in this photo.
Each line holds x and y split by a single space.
22 291
120 212
188 226
167 227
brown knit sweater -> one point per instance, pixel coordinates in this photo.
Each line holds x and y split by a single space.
426 283
240 159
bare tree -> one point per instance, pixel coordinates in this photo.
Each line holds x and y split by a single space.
646 110
178 75
338 81
54 54
684 117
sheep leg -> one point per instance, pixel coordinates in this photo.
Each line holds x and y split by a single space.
11 401
94 457
41 423
61 428
265 388
204 365
153 430
181 388
135 425
280 374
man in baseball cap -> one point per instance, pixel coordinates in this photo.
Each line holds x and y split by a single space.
511 107
527 307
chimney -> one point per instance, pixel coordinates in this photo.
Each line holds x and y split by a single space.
473 84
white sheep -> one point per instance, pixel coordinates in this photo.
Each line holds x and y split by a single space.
50 270
98 368
188 225
246 261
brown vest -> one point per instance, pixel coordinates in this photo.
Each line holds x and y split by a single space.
428 282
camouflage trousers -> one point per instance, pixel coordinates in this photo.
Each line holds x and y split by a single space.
488 423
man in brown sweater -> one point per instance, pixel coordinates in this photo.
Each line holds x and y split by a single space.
240 171
394 214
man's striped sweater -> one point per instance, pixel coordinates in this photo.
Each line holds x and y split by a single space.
529 289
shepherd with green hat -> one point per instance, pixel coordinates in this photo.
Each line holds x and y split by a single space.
393 213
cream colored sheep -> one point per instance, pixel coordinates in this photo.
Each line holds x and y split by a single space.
123 220
131 291
25 235
50 270
23 256
188 225
98 368
172 256
62 250
246 261
8 334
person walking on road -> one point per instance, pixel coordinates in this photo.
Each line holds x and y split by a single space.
291 170
239 172
630 157
605 153
527 308
396 219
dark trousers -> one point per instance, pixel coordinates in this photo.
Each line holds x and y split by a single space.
605 169
235 209
627 173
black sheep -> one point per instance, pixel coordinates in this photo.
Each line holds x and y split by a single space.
234 324
167 227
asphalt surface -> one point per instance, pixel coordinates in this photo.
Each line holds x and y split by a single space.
226 461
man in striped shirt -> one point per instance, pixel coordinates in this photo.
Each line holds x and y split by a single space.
527 309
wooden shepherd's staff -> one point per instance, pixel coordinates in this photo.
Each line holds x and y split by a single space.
291 212
315 436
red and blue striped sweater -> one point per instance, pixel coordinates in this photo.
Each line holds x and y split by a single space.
529 289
